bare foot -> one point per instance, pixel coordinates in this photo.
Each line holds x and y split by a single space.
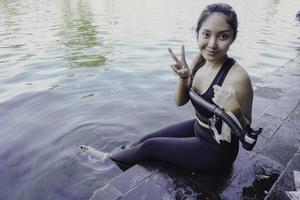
84 147
95 153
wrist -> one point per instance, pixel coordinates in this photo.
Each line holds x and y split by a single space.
184 78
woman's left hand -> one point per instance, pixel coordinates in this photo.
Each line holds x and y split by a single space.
225 97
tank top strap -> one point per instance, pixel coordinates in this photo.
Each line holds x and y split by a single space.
222 73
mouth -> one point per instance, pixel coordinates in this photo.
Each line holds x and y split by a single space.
211 53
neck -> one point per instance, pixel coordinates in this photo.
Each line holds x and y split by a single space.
216 63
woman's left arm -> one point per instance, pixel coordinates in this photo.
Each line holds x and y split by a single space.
240 98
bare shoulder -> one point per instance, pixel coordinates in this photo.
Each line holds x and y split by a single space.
238 73
239 76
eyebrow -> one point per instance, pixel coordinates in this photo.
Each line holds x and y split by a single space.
222 31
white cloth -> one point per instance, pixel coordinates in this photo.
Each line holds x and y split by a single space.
226 131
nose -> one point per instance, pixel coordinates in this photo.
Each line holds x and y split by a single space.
212 43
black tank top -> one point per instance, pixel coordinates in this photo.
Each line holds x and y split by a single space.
209 94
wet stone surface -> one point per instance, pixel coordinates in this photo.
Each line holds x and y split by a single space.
285 181
255 179
267 92
107 192
248 180
169 182
284 141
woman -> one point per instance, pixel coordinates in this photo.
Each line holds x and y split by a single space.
191 144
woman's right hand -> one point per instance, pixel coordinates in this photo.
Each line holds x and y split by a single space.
180 68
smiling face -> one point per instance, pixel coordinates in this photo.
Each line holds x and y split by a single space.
215 37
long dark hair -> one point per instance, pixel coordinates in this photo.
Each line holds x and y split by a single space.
231 19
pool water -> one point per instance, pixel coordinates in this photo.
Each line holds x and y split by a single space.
97 72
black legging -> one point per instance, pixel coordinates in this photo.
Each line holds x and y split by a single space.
178 144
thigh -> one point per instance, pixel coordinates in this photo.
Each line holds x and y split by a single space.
192 152
179 130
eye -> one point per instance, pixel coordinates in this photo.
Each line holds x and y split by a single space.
223 36
205 34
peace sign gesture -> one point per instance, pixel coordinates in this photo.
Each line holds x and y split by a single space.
181 68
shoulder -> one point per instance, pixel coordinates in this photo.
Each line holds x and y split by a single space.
239 76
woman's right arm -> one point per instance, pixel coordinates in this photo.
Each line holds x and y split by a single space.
181 96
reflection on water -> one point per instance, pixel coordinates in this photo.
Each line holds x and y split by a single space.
78 34
77 31
96 72
82 60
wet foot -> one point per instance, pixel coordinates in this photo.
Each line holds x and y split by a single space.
102 156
